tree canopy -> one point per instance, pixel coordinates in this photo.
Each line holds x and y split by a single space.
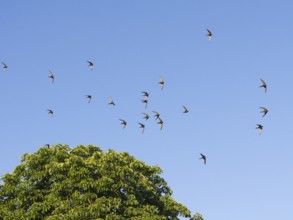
60 182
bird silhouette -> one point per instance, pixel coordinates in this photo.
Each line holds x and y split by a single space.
210 34
157 114
203 157
111 102
162 82
161 123
123 122
51 76
185 109
50 112
89 97
142 126
146 116
260 127
4 66
264 111
263 85
146 101
91 65
47 145
146 94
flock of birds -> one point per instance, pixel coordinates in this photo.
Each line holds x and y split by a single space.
263 109
145 101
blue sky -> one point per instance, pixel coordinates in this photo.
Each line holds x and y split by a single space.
132 44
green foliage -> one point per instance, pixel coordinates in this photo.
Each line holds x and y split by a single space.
197 216
85 183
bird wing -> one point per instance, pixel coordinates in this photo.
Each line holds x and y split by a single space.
259 126
4 65
90 63
263 84
142 126
264 109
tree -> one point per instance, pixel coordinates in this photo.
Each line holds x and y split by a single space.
85 183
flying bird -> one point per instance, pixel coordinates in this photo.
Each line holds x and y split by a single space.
111 102
161 123
264 85
146 116
51 76
89 97
142 126
157 115
50 112
210 34
146 101
123 122
203 157
146 94
264 111
4 66
91 65
162 82
260 127
185 109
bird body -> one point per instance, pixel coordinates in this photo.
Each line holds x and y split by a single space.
4 66
210 34
111 102
146 116
146 101
91 65
123 122
162 82
51 76
89 97
157 115
50 112
263 85
146 94
203 157
264 111
161 123
142 126
260 127
185 109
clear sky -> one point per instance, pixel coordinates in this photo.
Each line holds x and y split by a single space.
132 44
